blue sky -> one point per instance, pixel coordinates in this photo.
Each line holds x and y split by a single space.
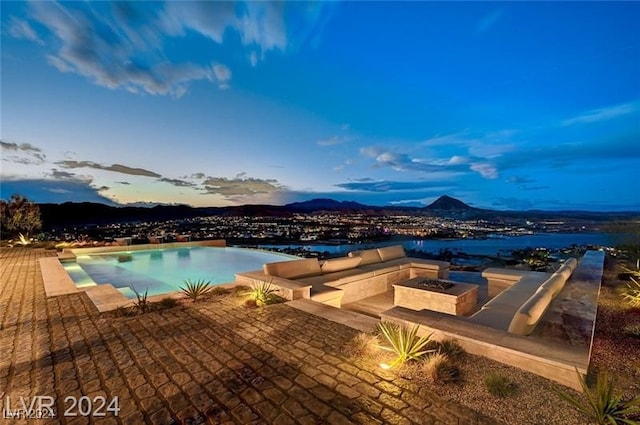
502 105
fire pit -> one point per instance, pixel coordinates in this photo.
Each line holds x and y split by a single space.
434 284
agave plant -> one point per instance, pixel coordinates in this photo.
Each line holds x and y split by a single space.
632 293
602 405
196 290
262 292
24 240
404 341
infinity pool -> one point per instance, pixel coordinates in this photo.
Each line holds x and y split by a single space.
160 271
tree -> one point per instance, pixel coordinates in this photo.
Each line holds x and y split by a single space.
19 215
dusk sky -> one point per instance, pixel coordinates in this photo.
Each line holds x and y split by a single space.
525 105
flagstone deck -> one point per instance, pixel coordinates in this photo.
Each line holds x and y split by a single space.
213 362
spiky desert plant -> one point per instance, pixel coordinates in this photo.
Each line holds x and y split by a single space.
602 405
632 293
263 292
403 341
499 385
24 240
633 330
196 289
142 305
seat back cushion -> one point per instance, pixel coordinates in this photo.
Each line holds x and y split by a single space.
369 256
293 269
554 284
339 264
391 252
567 268
528 316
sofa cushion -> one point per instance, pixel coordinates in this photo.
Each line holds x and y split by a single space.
391 252
339 264
422 263
567 268
369 256
554 284
528 316
293 269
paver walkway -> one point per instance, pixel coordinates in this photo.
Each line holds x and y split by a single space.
213 362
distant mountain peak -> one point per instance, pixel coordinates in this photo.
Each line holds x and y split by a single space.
447 203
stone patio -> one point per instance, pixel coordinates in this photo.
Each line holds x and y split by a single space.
212 363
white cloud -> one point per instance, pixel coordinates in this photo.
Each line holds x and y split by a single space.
487 171
603 114
125 49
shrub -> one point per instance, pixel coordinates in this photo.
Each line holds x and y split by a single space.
363 344
632 293
403 341
218 291
167 302
499 385
602 405
196 290
450 348
437 368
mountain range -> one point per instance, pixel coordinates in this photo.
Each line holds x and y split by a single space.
87 213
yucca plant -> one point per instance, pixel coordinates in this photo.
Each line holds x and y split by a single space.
632 293
603 406
404 342
196 290
142 305
263 292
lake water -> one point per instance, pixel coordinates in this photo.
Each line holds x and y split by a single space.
490 246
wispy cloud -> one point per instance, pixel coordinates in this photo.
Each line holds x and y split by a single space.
177 182
125 45
116 168
334 140
390 186
603 114
223 75
241 185
20 28
437 167
24 153
488 21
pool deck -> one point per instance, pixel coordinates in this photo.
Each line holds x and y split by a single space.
213 362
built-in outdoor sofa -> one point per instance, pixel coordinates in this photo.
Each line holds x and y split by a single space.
347 279
507 328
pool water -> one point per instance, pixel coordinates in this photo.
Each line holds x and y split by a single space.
160 271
